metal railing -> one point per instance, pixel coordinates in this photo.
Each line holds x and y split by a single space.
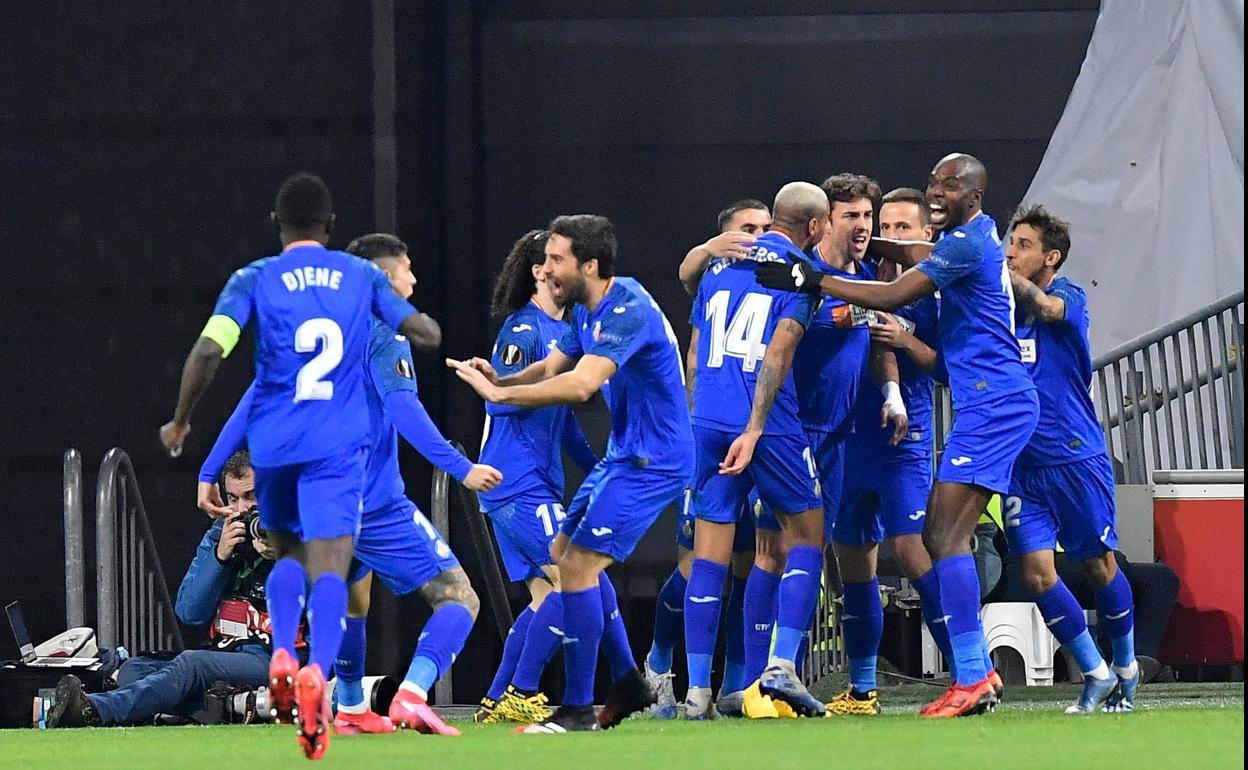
132 599
75 569
1173 399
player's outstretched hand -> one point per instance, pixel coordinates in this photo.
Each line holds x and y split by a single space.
783 276
208 498
894 411
473 376
484 366
733 244
483 478
172 435
740 453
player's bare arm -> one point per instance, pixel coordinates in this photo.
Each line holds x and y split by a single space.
772 372
732 244
888 330
877 295
197 373
1045 307
576 386
691 365
422 332
905 253
884 372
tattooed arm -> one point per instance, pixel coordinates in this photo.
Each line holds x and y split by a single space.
772 372
1046 307
691 366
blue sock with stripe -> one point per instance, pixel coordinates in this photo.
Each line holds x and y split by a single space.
703 598
615 646
759 613
349 667
959 598
669 622
440 642
540 643
799 592
933 616
285 592
327 619
512 647
1064 617
734 638
863 624
1115 610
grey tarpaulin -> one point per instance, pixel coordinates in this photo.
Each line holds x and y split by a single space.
1147 163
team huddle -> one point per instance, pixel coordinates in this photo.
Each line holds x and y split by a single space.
801 416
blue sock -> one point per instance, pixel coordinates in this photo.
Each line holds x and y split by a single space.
669 621
284 594
327 616
1115 610
702 602
440 642
1064 617
545 633
512 647
734 639
615 646
933 616
863 624
959 598
759 612
582 629
799 593
349 665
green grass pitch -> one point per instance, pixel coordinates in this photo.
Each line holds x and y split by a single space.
1181 726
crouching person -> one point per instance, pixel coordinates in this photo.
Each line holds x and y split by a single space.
224 591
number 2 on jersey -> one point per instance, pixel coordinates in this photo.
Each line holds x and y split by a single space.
742 337
314 332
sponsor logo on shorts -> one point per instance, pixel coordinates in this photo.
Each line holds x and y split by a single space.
703 599
960 461
917 515
601 531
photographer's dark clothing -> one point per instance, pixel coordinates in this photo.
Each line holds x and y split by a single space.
228 599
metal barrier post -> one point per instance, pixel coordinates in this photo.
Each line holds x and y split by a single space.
75 580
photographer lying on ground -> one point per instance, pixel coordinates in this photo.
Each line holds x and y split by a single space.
224 591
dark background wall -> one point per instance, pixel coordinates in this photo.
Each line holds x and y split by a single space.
140 148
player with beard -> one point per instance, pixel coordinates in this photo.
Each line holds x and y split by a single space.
992 391
626 339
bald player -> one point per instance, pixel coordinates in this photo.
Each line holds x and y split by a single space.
748 434
994 396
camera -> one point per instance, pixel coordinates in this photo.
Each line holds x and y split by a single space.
246 552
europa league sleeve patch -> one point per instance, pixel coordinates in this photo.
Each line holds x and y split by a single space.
512 355
404 369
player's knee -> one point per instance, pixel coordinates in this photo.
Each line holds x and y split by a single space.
1101 569
1037 579
912 555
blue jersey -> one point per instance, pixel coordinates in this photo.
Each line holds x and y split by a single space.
735 319
389 369
1059 358
525 443
922 318
977 338
646 396
832 359
313 310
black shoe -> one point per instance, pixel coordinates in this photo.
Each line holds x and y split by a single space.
1149 668
628 695
71 707
566 719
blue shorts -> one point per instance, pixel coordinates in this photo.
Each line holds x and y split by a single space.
1072 504
742 538
317 500
524 527
617 503
828 452
400 545
885 495
986 439
781 471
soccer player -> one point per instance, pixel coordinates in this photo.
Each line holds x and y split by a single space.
1063 484
886 485
625 339
395 539
739 223
745 338
527 510
307 428
994 395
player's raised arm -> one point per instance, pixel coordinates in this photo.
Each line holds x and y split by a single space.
911 285
905 253
422 332
576 386
739 224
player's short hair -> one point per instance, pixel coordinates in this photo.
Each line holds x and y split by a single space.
745 204
847 188
303 202
592 236
237 466
376 246
910 195
1054 231
515 283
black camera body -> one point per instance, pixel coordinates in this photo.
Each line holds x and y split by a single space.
245 552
